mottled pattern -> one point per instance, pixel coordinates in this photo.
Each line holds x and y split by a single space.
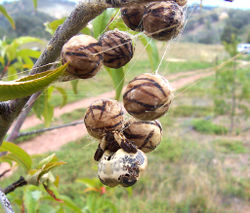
147 97
102 116
132 16
83 54
117 48
121 168
163 21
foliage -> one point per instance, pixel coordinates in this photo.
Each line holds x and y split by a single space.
28 85
230 87
229 146
5 13
14 57
38 177
206 126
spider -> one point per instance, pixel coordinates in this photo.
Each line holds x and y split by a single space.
113 141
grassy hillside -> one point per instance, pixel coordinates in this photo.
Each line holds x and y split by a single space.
206 25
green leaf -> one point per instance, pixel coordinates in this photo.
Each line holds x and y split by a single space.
26 39
29 85
38 107
52 26
35 4
86 31
64 95
17 153
101 21
90 182
31 197
49 166
5 13
51 158
152 51
30 53
48 108
118 76
48 114
44 167
69 203
12 73
74 85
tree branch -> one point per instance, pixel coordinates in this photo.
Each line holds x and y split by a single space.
79 18
19 183
50 128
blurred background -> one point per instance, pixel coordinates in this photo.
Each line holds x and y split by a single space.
202 163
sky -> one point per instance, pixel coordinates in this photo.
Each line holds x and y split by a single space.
241 4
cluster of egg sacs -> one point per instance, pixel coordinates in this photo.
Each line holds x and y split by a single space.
124 141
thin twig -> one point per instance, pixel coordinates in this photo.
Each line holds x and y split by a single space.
22 134
5 172
19 183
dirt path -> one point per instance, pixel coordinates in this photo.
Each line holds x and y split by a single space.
53 140
84 103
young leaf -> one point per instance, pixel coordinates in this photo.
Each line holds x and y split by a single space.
52 26
51 158
12 73
152 51
26 39
29 85
74 85
31 197
46 168
117 76
5 13
38 107
35 4
48 108
90 182
101 21
17 154
64 95
28 52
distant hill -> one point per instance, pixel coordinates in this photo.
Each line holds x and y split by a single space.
31 22
204 25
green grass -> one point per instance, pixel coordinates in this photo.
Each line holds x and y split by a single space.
201 88
72 116
175 67
237 187
102 82
229 146
190 111
177 180
207 127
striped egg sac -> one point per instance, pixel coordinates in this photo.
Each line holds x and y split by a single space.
117 48
102 116
146 135
147 97
181 2
163 20
82 54
132 16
